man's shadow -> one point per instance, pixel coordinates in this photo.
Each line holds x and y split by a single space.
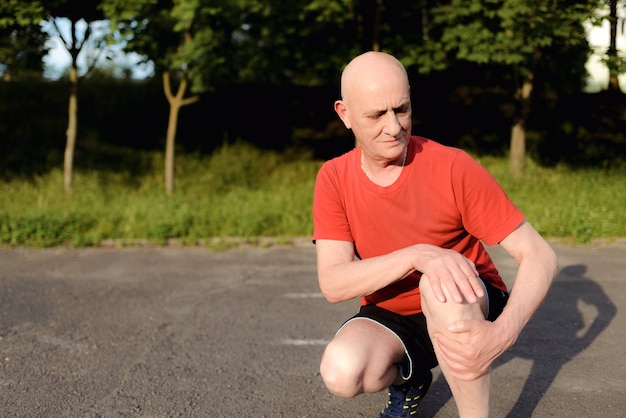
557 333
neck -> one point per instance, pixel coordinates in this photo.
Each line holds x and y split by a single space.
387 175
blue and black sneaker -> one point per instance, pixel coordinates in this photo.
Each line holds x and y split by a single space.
404 400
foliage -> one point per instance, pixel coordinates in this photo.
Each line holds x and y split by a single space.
306 42
22 49
20 13
514 33
517 35
610 57
581 129
242 192
301 42
21 41
192 38
147 28
263 194
578 205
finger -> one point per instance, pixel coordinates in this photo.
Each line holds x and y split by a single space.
477 286
448 352
451 290
452 356
437 289
473 290
450 347
449 287
469 267
460 288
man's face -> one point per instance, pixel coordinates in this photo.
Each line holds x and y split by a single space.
379 113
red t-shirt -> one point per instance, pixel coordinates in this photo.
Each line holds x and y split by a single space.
443 197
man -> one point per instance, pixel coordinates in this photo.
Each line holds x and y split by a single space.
399 222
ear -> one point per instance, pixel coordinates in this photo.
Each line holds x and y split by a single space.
342 111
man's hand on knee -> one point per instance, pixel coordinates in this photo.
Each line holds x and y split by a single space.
451 275
469 347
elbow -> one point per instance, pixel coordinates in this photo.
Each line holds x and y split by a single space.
548 259
330 293
332 299
554 262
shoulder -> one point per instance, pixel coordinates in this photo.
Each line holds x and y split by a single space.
427 145
428 151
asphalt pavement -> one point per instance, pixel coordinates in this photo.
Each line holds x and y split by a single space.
187 332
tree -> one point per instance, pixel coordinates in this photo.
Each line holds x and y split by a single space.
178 100
76 11
203 45
163 31
351 27
613 61
28 13
515 34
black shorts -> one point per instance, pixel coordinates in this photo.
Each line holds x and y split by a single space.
411 330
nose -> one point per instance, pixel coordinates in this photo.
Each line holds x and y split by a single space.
392 124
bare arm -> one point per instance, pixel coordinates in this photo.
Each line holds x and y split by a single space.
486 341
538 266
341 277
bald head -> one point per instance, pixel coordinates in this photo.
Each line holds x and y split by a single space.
371 70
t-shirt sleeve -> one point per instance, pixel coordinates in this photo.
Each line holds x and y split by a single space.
486 210
329 214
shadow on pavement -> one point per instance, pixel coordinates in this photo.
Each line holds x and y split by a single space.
574 314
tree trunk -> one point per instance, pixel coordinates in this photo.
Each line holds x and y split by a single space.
612 51
169 147
518 149
176 102
518 131
68 167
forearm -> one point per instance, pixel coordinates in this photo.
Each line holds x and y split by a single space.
534 277
343 278
357 278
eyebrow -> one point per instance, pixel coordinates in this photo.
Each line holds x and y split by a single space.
402 106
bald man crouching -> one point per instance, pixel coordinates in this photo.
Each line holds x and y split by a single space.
400 222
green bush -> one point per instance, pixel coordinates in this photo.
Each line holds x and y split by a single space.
574 204
245 193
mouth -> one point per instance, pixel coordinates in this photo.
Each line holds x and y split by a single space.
396 140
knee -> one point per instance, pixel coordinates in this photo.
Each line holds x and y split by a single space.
341 374
443 313
427 295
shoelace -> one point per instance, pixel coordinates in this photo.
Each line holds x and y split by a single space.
402 403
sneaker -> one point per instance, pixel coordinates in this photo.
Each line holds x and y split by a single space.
404 400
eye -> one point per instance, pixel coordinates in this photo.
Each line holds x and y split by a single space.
377 115
402 110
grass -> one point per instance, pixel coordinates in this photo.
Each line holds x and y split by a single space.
574 205
240 192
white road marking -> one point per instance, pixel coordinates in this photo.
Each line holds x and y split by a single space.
311 295
295 341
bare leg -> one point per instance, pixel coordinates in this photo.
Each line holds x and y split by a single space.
471 397
361 358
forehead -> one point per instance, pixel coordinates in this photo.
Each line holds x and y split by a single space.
379 95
